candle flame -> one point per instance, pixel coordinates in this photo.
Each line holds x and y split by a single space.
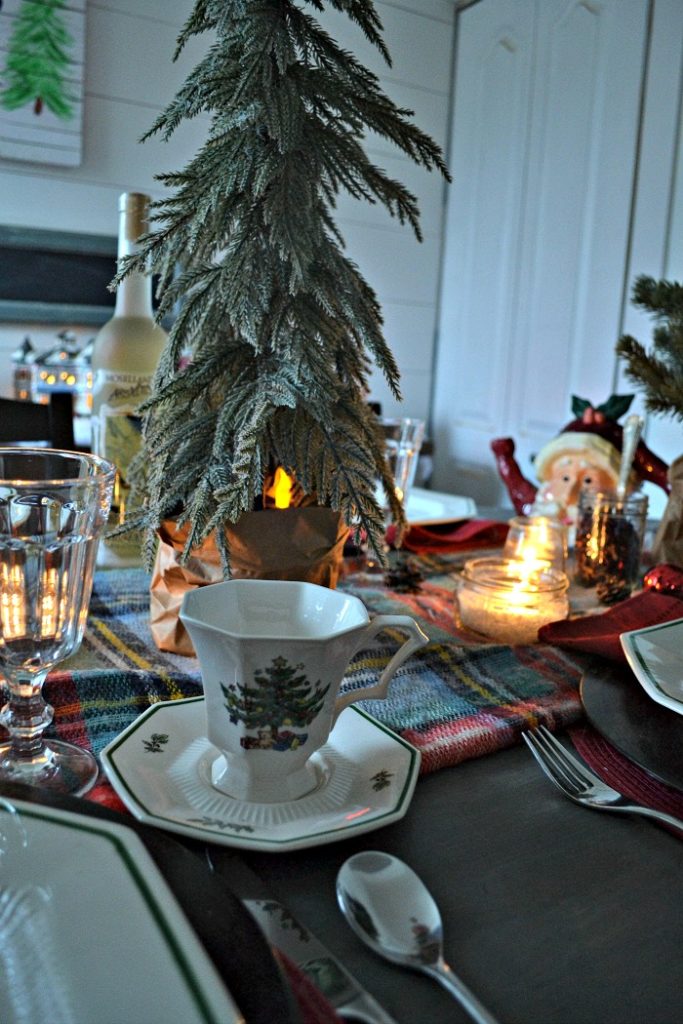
281 489
531 563
527 569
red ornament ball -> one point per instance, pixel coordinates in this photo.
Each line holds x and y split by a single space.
665 579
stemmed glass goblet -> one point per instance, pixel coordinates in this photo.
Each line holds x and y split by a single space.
403 444
53 507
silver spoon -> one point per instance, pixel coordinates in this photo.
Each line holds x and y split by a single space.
633 428
393 912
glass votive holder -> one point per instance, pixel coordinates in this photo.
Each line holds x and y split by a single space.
537 540
609 543
505 600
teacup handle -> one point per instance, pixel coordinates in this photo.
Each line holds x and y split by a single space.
417 638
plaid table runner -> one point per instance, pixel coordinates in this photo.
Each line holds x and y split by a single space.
455 699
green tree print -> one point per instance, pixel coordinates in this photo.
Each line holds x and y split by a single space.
281 700
38 59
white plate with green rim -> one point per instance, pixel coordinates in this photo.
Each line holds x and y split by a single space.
160 766
90 931
655 654
429 508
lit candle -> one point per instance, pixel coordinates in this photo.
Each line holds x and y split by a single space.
280 490
537 540
508 600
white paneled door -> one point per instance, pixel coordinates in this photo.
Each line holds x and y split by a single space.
544 144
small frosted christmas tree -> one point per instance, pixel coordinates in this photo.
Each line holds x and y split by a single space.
279 324
659 372
38 60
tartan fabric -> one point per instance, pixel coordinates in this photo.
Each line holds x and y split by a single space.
455 699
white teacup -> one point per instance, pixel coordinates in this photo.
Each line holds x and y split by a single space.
273 654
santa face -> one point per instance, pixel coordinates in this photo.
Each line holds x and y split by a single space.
569 474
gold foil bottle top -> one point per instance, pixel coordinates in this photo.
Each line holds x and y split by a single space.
134 215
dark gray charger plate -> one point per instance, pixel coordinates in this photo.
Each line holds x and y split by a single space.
646 732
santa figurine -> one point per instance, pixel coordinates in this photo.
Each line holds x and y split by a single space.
586 455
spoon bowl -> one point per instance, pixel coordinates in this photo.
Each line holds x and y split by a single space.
389 907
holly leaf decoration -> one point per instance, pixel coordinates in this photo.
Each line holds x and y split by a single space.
579 406
613 408
616 406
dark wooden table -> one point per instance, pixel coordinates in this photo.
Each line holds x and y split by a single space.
553 913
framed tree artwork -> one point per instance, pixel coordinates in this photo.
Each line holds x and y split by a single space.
42 46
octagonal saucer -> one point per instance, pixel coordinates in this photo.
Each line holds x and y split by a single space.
160 766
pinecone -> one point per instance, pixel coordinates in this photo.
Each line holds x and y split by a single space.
404 577
612 589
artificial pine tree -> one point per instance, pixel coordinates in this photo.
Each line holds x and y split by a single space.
278 322
38 60
659 372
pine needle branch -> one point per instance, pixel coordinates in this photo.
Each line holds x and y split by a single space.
658 372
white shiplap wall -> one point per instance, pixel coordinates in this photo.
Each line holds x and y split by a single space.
129 77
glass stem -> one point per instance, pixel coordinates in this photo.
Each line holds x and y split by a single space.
26 715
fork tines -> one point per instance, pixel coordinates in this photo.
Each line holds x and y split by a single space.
568 774
577 781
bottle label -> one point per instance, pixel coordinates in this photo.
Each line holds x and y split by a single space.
116 425
117 435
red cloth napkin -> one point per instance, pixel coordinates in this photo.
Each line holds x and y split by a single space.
618 771
444 537
599 634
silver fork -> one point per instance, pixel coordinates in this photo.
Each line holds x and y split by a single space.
576 781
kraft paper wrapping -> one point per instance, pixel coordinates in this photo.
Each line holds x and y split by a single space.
273 544
668 544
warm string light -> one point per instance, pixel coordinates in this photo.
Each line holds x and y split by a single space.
12 608
13 603
593 546
64 606
51 611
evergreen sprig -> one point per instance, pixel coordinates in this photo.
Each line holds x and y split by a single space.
659 371
278 323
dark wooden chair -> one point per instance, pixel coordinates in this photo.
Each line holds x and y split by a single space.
52 423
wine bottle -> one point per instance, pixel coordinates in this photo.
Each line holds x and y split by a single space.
125 354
